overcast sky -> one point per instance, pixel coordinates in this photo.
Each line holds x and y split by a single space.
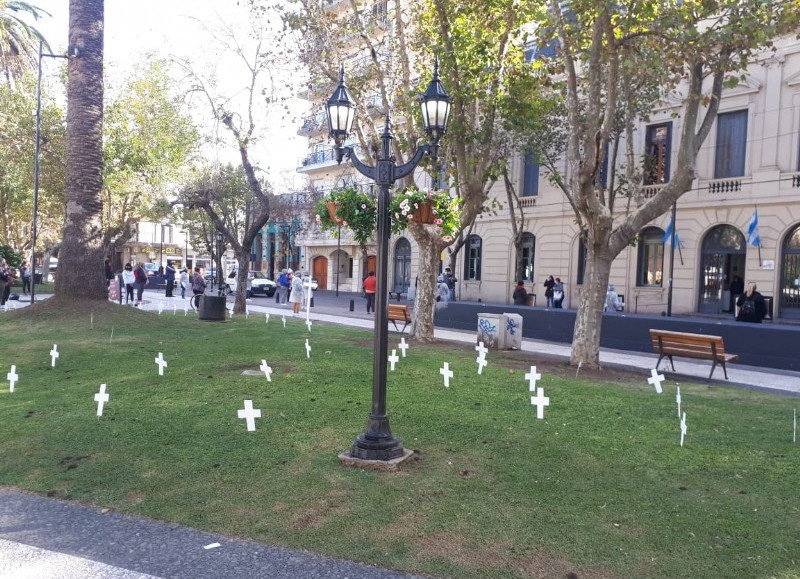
172 27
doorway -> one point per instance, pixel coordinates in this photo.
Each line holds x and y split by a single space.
723 256
372 262
319 268
789 298
402 266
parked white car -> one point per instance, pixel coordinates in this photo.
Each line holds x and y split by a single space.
260 284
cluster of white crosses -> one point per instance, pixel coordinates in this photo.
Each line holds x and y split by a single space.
655 380
249 414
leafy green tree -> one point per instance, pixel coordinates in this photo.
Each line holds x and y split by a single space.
256 52
80 272
225 198
611 62
391 56
19 41
17 143
149 139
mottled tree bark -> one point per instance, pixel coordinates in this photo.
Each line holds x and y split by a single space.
80 272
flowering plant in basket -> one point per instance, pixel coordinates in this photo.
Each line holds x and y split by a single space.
426 206
354 210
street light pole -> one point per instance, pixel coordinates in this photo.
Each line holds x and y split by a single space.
37 151
338 257
377 441
219 258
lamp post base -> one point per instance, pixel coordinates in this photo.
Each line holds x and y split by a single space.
348 459
376 448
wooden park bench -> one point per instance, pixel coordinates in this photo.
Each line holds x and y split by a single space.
399 313
669 344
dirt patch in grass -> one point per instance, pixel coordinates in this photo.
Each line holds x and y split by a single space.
318 514
456 549
133 497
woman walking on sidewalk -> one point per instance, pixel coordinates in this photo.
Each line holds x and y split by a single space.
370 286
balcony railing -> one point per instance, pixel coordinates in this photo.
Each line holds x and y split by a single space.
323 156
313 125
649 191
725 186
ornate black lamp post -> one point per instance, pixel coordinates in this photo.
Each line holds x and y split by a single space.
377 441
219 258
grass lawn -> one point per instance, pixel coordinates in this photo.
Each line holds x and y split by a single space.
599 488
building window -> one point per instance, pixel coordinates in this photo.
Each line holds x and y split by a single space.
472 263
731 144
581 261
658 143
650 266
530 176
525 256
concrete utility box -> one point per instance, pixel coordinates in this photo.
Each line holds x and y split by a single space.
490 330
512 331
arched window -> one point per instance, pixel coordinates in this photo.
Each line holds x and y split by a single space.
472 261
722 258
402 265
790 275
650 264
525 254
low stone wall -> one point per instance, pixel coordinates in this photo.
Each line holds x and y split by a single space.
770 345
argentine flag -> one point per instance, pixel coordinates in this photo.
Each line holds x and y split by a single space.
668 235
753 238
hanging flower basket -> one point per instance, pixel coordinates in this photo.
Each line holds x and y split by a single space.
331 205
434 207
349 208
424 214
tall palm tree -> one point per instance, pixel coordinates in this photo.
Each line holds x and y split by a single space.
19 41
80 259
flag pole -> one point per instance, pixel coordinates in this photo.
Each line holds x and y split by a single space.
672 259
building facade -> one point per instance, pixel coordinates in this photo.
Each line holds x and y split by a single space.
747 170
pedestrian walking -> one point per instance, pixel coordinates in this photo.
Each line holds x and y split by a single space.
296 297
141 280
520 295
109 272
284 283
370 286
558 294
185 283
26 273
169 277
198 283
7 280
549 284
129 279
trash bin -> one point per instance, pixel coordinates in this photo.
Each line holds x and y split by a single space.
212 308
512 331
531 300
490 330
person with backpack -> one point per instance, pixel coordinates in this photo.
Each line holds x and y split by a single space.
129 279
752 307
140 279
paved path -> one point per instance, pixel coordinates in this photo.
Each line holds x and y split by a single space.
44 538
